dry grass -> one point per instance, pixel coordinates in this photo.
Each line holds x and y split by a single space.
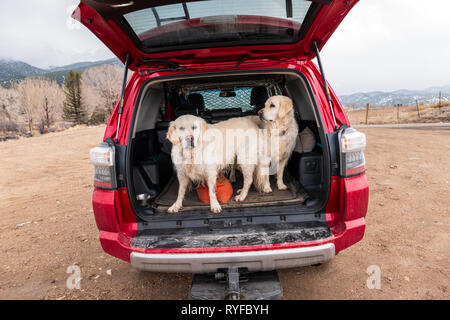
406 114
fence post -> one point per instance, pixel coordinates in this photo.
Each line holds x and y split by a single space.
417 105
440 97
367 113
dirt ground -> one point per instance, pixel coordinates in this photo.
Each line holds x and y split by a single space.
47 224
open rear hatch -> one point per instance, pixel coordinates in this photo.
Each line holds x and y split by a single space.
196 32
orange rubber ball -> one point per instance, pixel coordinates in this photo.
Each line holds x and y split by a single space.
224 191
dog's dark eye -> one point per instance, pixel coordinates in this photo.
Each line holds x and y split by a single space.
272 105
194 128
181 128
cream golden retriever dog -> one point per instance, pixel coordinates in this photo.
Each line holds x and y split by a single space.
278 118
201 151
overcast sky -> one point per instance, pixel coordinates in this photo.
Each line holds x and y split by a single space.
381 45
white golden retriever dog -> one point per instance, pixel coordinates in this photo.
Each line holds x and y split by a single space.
278 119
201 151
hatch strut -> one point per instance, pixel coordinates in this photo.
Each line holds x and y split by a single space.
325 84
288 8
124 84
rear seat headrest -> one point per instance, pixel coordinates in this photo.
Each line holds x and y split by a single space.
196 100
162 125
224 114
258 97
185 109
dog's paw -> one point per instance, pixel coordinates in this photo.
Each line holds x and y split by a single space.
239 191
240 197
267 189
282 186
216 208
175 208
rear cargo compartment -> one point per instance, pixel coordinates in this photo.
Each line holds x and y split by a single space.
254 198
292 215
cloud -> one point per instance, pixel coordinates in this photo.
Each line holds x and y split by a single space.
41 33
389 45
381 44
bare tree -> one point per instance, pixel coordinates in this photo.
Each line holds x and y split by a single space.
52 97
9 113
4 102
101 88
8 104
29 99
40 101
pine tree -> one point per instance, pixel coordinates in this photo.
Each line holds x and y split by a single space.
74 109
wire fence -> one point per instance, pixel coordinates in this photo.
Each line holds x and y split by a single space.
418 112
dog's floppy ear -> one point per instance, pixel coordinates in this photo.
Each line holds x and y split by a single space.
205 134
204 126
286 106
171 134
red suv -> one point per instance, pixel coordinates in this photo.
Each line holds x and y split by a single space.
217 60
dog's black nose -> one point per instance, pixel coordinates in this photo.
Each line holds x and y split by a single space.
190 141
261 115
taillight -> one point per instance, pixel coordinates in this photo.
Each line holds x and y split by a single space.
352 144
103 159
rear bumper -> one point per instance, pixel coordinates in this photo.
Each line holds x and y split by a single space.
277 256
264 260
117 239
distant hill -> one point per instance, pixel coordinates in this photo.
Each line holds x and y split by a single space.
12 71
403 97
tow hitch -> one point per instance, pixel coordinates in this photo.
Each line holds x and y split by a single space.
236 284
